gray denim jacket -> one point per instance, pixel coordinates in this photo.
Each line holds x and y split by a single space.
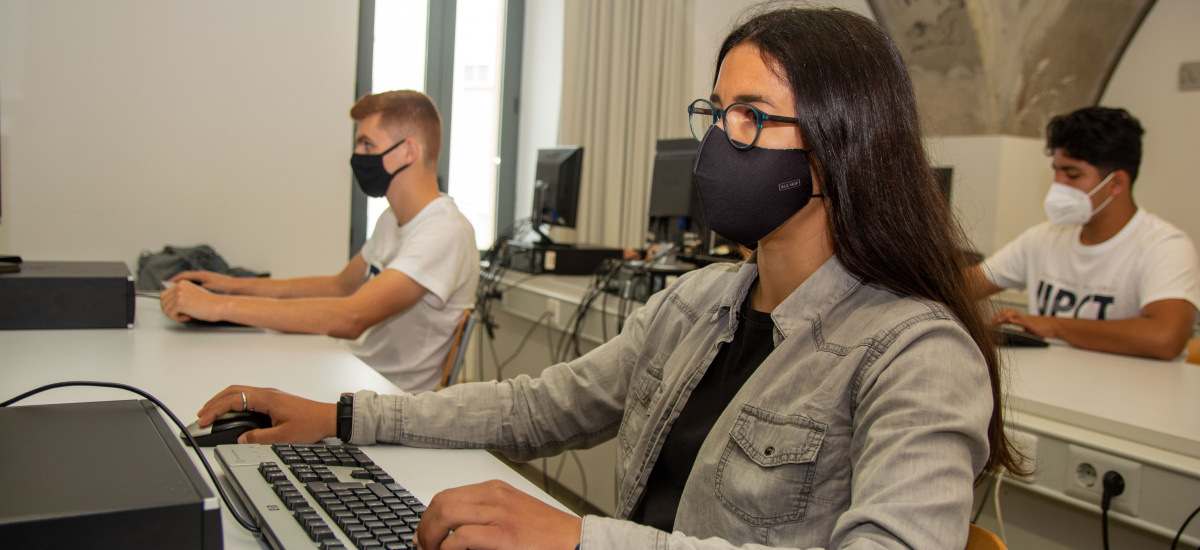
863 429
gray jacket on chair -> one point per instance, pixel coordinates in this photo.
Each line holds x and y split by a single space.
864 428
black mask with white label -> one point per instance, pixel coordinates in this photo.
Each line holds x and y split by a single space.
745 195
370 174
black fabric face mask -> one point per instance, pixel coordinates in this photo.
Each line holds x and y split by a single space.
745 195
370 174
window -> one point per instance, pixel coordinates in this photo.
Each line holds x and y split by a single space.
410 47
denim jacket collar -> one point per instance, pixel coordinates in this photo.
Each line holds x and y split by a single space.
831 283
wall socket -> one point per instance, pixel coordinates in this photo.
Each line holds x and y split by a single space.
1085 473
1189 76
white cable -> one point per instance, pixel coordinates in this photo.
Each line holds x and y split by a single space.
996 503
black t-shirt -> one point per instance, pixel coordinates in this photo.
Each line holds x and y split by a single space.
752 342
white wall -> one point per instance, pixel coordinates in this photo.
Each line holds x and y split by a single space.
1146 83
130 124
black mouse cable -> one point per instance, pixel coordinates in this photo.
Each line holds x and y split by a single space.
249 526
1179 534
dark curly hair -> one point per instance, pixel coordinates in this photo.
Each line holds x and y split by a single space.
1109 139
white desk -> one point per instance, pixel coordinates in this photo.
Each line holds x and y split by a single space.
1155 403
184 366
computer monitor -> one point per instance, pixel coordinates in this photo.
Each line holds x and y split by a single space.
556 188
674 209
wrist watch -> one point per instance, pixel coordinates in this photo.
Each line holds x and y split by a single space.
345 417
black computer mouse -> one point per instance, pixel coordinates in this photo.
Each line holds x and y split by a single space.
226 428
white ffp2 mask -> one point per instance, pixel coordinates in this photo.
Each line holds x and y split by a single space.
1066 205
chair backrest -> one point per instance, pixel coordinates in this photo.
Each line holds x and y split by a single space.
458 349
982 539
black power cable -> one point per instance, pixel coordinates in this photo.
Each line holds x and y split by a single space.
1179 534
1114 485
195 446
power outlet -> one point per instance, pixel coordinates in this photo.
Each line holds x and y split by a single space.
1085 473
1189 76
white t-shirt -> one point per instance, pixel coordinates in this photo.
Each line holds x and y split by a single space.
437 250
1147 261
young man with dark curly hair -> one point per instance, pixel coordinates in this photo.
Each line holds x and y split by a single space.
1102 273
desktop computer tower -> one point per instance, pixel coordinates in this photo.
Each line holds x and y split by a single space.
101 475
559 259
62 295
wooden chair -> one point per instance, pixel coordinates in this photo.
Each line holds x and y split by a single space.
982 539
1193 351
458 349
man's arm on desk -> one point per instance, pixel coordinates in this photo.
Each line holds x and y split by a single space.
343 284
1160 332
340 316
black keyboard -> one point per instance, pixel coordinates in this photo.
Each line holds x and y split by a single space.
321 496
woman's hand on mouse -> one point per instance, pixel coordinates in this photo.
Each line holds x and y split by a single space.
294 419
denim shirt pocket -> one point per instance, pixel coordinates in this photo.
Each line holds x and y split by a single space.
765 475
646 392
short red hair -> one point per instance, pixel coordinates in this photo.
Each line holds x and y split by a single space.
405 112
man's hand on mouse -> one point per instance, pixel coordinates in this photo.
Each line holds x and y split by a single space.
294 419
185 301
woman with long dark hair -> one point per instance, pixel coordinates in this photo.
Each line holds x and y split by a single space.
838 389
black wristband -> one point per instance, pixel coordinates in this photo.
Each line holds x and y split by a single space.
345 417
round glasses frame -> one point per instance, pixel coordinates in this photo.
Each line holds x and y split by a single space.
702 111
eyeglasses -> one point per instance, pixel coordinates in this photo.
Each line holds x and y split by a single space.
743 122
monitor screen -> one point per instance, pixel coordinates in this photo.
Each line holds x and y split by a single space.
674 208
556 186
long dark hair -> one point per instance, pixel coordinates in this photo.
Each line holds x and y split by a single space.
858 118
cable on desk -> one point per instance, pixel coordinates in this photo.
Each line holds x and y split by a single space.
249 526
1179 534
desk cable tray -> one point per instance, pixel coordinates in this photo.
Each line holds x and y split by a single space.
321 496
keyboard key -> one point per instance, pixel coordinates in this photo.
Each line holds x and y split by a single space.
347 486
321 532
